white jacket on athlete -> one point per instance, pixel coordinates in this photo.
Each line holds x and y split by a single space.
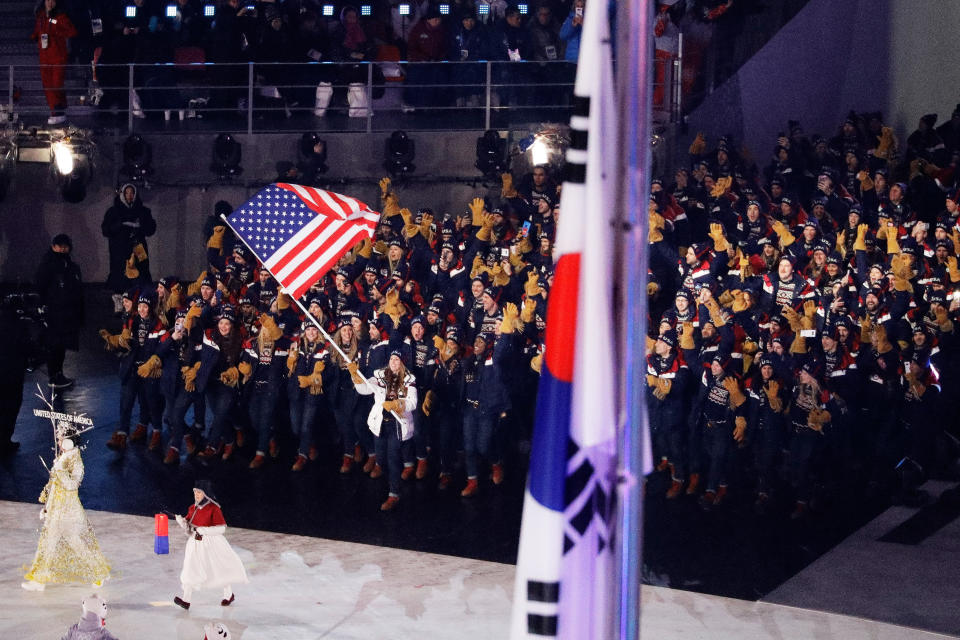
378 387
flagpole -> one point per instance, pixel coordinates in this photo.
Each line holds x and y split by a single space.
633 73
306 313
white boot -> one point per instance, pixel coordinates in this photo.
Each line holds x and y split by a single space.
324 93
32 585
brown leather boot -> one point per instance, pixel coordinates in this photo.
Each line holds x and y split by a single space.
357 453
257 461
209 452
347 464
694 483
154 440
377 471
140 433
721 495
313 453
471 489
390 503
227 452
497 475
371 463
445 480
407 472
172 457
117 441
675 488
190 445
421 468
240 437
663 464
300 463
274 449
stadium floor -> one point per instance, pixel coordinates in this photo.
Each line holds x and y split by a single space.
729 552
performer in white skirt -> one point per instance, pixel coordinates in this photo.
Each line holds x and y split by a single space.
208 562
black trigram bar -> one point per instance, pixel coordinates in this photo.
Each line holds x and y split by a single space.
543 591
541 625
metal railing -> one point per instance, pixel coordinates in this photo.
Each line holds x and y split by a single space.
286 97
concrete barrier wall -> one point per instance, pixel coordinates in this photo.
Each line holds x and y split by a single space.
183 192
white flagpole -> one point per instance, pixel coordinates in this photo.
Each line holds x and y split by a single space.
306 313
634 60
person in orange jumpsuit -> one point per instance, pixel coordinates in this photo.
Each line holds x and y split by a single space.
51 32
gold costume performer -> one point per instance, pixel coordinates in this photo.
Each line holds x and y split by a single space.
68 550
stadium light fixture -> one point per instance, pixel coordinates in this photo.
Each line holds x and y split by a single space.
444 9
404 9
312 152
209 10
71 165
137 158
399 154
491 154
327 10
130 11
227 154
483 9
171 11
366 10
523 8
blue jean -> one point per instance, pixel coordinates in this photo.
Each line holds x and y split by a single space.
421 433
717 442
351 420
391 453
181 404
803 449
263 402
147 390
222 399
478 440
303 414
448 430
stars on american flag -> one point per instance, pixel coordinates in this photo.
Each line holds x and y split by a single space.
267 222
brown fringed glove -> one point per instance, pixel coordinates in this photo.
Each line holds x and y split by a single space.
131 270
772 391
192 314
354 370
866 184
860 242
529 310
952 269
880 340
716 314
532 286
230 377
140 252
268 328
720 243
686 336
656 225
216 238
817 418
476 209
365 248
510 316
194 287
506 188
292 356
944 323
151 369
786 238
740 428
485 232
662 388
536 362
393 405
866 330
721 186
736 394
699 145
429 400
190 377
245 369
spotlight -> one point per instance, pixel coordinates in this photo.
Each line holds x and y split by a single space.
539 152
491 154
209 10
137 158
444 9
366 10
171 11
71 165
483 9
523 8
399 154
312 152
328 10
130 11
404 9
226 157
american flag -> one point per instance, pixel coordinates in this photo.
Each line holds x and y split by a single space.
299 232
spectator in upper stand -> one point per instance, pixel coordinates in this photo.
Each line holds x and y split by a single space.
925 142
571 30
468 43
427 43
949 131
189 26
510 42
229 42
545 49
51 32
276 44
352 45
402 25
